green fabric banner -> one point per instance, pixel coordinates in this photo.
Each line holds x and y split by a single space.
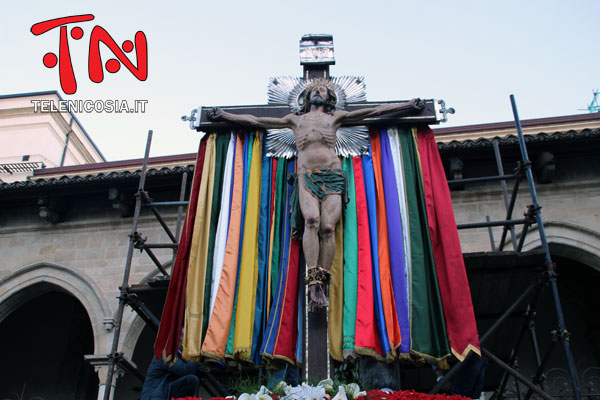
280 194
350 261
427 327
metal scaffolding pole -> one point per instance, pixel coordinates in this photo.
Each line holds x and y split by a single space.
125 284
533 216
549 265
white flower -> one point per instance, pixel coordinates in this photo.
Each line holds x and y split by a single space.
263 394
305 392
341 395
353 391
327 384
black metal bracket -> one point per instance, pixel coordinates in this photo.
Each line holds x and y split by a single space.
138 241
145 196
119 359
532 211
549 273
522 165
445 111
560 335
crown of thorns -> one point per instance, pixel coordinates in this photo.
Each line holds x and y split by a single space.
320 82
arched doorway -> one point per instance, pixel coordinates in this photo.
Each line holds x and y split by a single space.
577 284
42 343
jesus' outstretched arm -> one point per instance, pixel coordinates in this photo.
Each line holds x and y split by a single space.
251 120
413 105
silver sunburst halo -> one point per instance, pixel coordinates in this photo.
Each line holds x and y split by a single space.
350 141
288 90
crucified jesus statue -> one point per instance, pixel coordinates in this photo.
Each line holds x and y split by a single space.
321 182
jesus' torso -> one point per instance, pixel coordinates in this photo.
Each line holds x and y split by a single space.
315 140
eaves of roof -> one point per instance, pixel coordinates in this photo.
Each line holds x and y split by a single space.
508 140
81 178
93 178
537 122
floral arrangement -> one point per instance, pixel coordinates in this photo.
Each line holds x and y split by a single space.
324 389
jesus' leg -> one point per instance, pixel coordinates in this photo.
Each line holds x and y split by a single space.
331 211
310 207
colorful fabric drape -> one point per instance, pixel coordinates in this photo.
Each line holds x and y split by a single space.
367 340
282 331
383 240
195 289
241 272
449 263
223 223
215 340
350 263
394 227
167 339
427 330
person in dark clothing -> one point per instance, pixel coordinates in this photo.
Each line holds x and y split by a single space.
468 381
164 382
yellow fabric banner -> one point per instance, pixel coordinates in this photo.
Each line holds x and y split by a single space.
336 296
244 317
198 255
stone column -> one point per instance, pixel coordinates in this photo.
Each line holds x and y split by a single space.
100 364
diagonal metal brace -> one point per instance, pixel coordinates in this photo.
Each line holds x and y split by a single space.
141 309
148 202
124 363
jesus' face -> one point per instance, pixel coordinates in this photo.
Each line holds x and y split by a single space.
319 95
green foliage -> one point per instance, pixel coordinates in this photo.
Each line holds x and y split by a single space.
313 381
346 372
349 372
242 382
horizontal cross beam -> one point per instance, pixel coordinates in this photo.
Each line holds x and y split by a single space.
429 115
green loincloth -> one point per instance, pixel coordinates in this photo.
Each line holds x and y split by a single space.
320 183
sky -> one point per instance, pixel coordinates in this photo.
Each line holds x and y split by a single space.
472 54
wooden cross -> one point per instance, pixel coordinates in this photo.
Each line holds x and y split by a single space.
317 363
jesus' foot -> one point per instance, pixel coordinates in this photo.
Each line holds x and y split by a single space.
317 297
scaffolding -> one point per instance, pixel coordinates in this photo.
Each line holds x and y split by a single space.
130 295
546 278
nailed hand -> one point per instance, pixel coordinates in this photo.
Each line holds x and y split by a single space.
417 104
215 114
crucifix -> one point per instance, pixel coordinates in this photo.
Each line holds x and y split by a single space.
317 119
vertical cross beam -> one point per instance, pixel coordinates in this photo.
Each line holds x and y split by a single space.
316 364
316 55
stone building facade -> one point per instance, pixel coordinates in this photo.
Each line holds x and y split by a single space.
64 240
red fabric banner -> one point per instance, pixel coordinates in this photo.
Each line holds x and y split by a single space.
167 340
366 339
449 263
285 346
